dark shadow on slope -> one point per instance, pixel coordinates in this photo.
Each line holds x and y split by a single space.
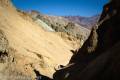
98 59
40 76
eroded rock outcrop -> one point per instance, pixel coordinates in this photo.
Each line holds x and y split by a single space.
3 47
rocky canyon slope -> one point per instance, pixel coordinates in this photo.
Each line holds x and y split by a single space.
31 49
26 50
71 32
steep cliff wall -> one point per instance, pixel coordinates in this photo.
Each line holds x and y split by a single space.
99 57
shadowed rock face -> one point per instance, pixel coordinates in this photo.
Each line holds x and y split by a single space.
99 57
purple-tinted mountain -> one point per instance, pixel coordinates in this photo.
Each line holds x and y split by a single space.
87 22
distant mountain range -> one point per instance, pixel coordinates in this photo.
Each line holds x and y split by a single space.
87 22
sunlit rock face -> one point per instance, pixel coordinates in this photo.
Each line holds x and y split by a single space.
25 47
5 2
3 42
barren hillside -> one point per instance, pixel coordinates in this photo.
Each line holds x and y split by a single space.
29 47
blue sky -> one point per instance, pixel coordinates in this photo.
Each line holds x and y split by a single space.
62 7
